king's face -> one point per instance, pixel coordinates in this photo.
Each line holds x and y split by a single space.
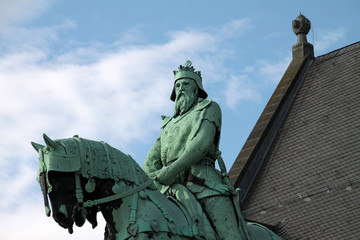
186 85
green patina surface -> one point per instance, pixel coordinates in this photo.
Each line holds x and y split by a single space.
198 201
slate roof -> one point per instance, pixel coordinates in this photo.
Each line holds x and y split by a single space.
308 175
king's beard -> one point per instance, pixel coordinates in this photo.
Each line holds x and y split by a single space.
183 102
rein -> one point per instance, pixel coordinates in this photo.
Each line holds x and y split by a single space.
95 202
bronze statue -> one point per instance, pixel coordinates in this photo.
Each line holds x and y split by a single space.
82 177
182 161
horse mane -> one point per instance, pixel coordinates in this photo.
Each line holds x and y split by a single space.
100 160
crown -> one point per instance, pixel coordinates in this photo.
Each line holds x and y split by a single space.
187 71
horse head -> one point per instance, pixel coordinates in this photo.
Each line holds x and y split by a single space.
57 166
78 175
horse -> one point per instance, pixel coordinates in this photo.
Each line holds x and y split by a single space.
81 177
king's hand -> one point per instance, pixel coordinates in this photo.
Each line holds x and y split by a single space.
163 176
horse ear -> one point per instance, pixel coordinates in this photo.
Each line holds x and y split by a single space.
49 142
37 146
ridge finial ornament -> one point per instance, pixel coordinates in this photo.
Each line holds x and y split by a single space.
301 25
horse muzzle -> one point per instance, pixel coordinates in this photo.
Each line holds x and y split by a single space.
62 218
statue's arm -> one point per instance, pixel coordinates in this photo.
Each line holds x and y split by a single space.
198 147
152 161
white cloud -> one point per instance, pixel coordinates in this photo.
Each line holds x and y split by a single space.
328 39
238 26
29 222
273 71
243 86
16 188
238 89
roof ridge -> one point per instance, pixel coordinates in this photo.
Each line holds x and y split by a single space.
337 51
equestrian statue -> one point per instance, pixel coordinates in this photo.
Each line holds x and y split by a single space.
179 194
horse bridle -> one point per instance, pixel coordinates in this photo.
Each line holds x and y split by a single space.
74 167
78 189
91 203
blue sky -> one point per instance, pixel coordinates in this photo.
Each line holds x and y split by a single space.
104 71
